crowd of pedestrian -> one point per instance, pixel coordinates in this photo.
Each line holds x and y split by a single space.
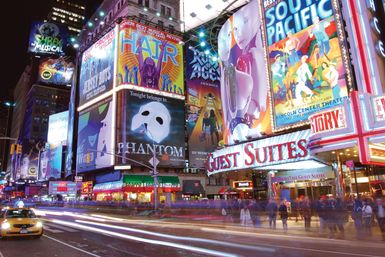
332 213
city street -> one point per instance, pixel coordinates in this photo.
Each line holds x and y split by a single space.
70 233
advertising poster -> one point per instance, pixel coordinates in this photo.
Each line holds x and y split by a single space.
69 161
204 108
146 121
94 137
57 71
58 129
305 61
244 80
47 38
97 68
150 58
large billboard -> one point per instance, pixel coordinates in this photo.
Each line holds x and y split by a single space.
94 137
150 58
58 129
204 108
97 68
146 121
244 79
308 71
51 163
56 70
47 38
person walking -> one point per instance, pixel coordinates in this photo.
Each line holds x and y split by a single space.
367 213
321 211
306 212
357 215
245 216
284 214
272 209
380 215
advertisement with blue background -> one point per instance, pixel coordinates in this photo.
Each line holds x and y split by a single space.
57 71
204 107
97 68
47 38
94 137
145 120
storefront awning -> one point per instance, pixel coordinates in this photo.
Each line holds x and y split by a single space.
304 174
192 187
137 183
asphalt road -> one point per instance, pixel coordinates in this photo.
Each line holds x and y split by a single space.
72 234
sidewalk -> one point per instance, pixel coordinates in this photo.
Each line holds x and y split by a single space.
294 228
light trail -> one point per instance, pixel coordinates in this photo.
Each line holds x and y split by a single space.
144 240
182 238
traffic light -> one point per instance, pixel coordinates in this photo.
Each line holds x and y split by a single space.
12 149
18 149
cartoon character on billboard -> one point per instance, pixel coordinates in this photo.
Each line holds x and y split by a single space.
291 48
149 72
244 90
303 75
319 32
332 78
154 120
278 70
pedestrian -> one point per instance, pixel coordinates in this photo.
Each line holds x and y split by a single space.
340 213
357 215
306 212
367 213
272 209
245 216
284 214
380 215
321 211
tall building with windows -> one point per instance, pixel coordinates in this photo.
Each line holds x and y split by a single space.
68 12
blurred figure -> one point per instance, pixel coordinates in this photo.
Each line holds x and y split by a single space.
245 216
380 215
367 213
295 208
272 209
284 214
306 212
321 211
340 215
357 215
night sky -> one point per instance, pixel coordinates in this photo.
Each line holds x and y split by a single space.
16 19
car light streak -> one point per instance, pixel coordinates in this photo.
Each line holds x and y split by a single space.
107 217
144 240
182 238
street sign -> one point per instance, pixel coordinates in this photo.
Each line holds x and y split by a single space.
154 163
350 164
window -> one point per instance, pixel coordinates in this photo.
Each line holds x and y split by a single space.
147 3
168 11
160 23
143 16
140 2
162 9
171 28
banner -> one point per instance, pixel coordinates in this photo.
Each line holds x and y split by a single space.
146 121
305 61
204 107
57 71
94 137
97 68
47 38
58 129
150 58
244 80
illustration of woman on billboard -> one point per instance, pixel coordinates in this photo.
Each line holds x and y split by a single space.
332 78
149 72
278 69
244 91
319 32
206 128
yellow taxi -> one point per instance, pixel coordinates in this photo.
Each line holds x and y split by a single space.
20 222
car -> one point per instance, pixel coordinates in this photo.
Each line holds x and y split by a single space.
20 222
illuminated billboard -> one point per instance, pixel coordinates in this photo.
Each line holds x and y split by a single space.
63 187
244 87
149 58
58 129
147 121
97 68
56 70
308 71
47 38
94 137
204 108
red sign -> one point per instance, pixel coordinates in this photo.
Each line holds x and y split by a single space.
379 108
327 121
